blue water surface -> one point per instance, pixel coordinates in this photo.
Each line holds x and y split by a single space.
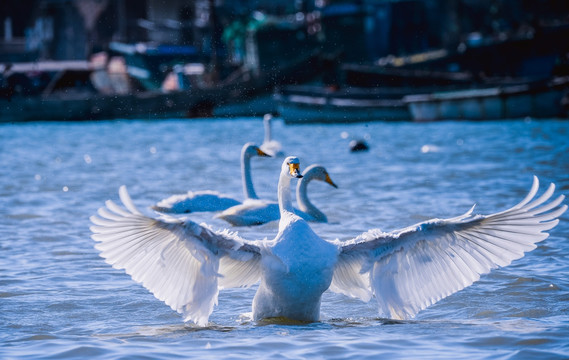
60 300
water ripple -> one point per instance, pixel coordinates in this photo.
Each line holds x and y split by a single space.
59 300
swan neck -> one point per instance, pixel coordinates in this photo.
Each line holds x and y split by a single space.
248 190
267 125
304 203
285 200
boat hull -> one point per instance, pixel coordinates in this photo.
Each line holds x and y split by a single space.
309 104
143 105
511 102
300 113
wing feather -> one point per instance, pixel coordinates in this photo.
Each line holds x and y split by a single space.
180 262
410 269
348 278
531 194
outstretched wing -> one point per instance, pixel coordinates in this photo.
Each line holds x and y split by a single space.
180 262
413 268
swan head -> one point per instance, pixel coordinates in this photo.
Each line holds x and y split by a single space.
291 166
318 172
251 150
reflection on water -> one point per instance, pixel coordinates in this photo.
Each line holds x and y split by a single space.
58 299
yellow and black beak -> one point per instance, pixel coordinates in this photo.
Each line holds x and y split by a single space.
294 170
329 181
262 153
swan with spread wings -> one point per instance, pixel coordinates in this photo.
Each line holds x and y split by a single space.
186 265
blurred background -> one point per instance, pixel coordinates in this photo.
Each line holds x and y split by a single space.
235 55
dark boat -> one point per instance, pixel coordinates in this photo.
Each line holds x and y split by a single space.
310 104
72 95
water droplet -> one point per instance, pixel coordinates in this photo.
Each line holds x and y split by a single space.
37 177
344 134
87 158
152 150
65 189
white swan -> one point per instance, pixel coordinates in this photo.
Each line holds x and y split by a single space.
269 145
260 211
185 264
207 200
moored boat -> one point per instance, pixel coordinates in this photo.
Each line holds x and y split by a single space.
320 104
540 99
145 105
79 91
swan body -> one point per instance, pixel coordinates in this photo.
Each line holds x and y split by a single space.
270 145
298 267
196 201
207 200
259 211
251 212
185 264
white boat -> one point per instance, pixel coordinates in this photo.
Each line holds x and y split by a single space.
543 99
